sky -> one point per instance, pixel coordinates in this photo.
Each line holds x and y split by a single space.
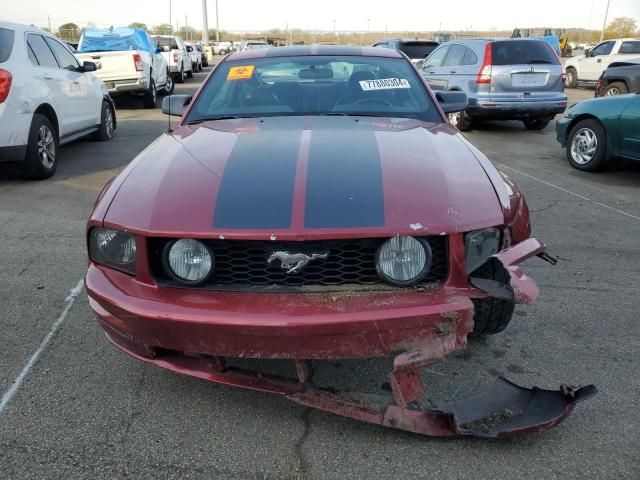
349 15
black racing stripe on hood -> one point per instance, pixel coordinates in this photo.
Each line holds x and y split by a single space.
344 175
258 182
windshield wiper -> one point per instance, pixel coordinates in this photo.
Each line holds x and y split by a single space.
212 119
536 60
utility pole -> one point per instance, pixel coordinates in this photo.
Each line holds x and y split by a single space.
205 23
186 27
604 25
49 20
217 24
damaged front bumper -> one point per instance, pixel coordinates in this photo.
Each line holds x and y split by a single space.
193 332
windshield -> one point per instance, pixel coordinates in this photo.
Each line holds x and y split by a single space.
314 85
167 42
417 49
522 52
111 40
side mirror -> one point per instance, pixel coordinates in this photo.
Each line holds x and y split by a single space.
158 50
175 105
189 49
452 101
587 52
89 67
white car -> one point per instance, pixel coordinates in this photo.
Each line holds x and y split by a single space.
196 58
131 62
46 99
589 67
254 44
175 53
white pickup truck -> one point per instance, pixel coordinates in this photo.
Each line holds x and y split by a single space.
175 53
130 60
589 67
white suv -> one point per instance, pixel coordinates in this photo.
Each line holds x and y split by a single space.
46 99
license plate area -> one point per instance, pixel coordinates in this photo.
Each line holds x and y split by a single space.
528 79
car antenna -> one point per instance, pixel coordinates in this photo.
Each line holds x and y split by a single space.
170 28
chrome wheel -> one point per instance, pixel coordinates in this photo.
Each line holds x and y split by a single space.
569 77
583 146
612 91
454 118
46 147
168 87
108 122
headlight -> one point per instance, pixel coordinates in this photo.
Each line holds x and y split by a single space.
189 261
403 261
113 248
479 245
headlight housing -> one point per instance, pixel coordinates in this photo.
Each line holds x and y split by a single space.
403 261
479 245
114 248
189 261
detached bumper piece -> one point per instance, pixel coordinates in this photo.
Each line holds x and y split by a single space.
504 410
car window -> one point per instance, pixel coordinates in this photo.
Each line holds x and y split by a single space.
436 58
455 56
167 42
470 57
602 49
522 52
417 49
64 56
314 85
6 43
44 55
630 47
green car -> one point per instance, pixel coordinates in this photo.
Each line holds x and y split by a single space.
601 128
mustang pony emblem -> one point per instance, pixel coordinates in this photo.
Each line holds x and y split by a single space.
294 262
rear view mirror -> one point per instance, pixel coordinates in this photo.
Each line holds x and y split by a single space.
176 105
452 102
315 74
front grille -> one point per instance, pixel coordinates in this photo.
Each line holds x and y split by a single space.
241 265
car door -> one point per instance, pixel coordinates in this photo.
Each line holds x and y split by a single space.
629 128
452 67
432 69
591 67
83 101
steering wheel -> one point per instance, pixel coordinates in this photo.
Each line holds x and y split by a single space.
373 101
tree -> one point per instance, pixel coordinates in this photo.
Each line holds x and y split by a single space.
69 31
139 25
212 34
621 27
162 29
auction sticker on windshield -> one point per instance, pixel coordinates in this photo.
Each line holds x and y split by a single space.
384 84
240 73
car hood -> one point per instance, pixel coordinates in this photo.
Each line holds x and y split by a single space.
307 177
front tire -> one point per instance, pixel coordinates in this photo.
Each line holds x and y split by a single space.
169 85
461 121
180 77
587 146
107 124
572 77
539 123
491 315
190 73
149 98
41 159
615 88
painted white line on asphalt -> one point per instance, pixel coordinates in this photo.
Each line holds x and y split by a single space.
600 204
70 300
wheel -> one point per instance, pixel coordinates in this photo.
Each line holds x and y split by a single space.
587 145
41 159
199 66
107 125
616 88
169 85
461 120
222 52
180 78
572 77
539 123
190 73
149 98
491 315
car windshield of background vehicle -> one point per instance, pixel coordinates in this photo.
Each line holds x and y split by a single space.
523 52
98 41
417 49
314 85
166 42
6 44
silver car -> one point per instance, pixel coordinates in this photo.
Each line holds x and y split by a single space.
507 79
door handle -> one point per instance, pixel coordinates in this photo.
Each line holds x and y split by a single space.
599 60
47 76
77 82
453 71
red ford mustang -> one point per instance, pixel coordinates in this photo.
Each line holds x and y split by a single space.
313 203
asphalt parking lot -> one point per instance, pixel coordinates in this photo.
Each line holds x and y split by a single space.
85 410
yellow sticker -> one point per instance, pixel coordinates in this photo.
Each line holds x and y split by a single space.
240 73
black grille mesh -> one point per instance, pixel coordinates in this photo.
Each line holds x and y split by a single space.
242 264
